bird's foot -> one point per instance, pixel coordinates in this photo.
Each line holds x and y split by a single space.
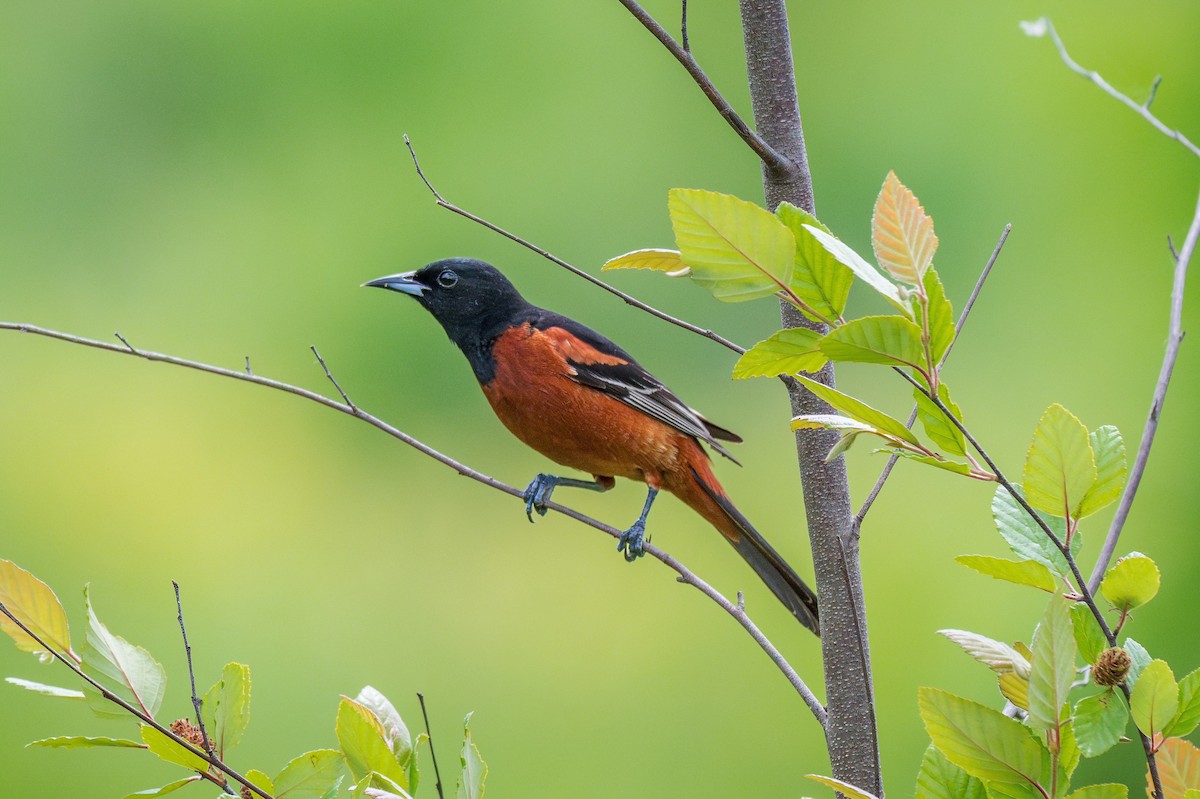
632 542
538 494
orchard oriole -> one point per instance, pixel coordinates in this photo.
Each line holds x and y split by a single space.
583 402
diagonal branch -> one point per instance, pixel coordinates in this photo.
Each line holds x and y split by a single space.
629 300
685 575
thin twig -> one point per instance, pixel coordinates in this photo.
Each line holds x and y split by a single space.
437 775
345 397
683 30
685 574
197 703
629 300
856 527
769 155
1174 339
143 717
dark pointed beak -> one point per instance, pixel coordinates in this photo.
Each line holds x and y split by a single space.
405 284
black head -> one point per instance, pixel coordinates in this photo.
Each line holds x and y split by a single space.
470 298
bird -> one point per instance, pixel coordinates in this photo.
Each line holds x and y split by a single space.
583 402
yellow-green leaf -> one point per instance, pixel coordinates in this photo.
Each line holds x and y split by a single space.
658 260
310 776
1059 467
999 657
164 790
1053 666
941 431
941 316
902 233
264 782
1108 448
1015 689
844 788
859 266
364 742
84 742
170 750
888 340
1155 698
859 410
1108 790
226 708
132 670
474 770
1188 716
1131 582
983 742
819 280
32 601
1021 572
941 779
1100 722
789 351
735 249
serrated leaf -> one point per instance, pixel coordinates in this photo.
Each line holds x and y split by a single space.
983 742
262 780
902 233
170 750
1178 768
309 776
1155 698
819 280
787 352
1100 722
134 672
1015 689
844 788
941 431
48 690
1187 717
1109 790
84 742
941 316
397 735
860 411
1131 582
887 340
658 260
226 708
735 249
1021 572
938 778
474 769
163 791
1139 659
1059 467
1108 448
364 743
1069 754
855 262
1026 539
32 601
999 657
1053 667
947 465
1089 638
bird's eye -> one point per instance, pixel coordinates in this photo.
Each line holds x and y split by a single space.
447 279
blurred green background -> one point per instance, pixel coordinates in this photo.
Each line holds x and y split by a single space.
214 179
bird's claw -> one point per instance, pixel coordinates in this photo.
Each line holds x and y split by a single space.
538 494
632 542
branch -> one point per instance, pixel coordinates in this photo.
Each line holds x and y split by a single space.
769 155
685 575
437 774
1156 404
197 704
912 417
629 300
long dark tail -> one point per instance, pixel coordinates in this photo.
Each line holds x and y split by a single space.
710 501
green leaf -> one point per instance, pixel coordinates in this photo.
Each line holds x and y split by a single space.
1053 667
941 316
1021 572
1015 689
170 750
309 776
226 708
860 411
1109 790
396 733
1139 658
132 670
888 340
1131 582
948 465
983 742
1026 539
855 262
902 233
1188 716
1069 754
83 742
658 260
1155 698
735 249
262 780
474 769
1109 450
32 601
844 788
1100 722
1088 637
48 690
1000 658
819 279
1059 467
789 351
163 791
941 779
941 431
364 742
